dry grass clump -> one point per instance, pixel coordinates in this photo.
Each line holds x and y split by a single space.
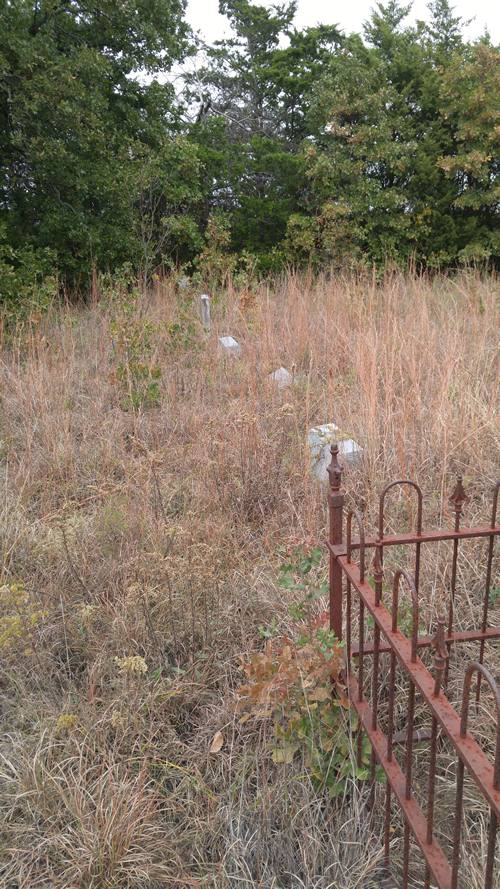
150 489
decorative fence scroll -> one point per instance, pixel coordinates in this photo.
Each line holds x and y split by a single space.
362 597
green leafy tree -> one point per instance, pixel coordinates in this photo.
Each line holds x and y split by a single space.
444 30
361 159
292 145
253 96
383 185
470 89
78 128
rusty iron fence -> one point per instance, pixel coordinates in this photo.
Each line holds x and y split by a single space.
380 646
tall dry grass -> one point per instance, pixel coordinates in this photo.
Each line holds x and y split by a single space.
157 533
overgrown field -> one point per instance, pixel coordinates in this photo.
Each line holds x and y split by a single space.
152 488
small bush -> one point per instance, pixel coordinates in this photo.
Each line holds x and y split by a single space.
28 283
136 371
297 682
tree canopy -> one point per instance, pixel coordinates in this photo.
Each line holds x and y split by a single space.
302 146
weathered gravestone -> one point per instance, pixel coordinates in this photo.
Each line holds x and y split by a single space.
205 311
230 346
319 439
282 377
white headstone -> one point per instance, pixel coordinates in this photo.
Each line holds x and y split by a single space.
319 440
350 451
282 377
205 310
230 345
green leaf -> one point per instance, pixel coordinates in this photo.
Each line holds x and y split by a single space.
337 789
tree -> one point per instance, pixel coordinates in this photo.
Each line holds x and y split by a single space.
470 88
291 145
237 82
444 30
361 159
253 95
78 127
384 158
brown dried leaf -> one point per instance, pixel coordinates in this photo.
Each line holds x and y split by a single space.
217 742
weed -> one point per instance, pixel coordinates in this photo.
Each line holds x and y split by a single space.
494 595
136 371
132 665
297 681
66 722
19 619
182 334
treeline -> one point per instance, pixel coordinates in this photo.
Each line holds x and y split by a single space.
275 147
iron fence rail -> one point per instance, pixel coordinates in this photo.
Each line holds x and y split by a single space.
373 691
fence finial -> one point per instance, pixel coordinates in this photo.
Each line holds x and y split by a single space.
458 496
378 571
335 468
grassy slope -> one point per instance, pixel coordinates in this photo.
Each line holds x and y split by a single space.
155 533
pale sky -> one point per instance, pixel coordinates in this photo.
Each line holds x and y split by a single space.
203 15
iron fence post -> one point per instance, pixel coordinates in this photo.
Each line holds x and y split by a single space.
335 516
